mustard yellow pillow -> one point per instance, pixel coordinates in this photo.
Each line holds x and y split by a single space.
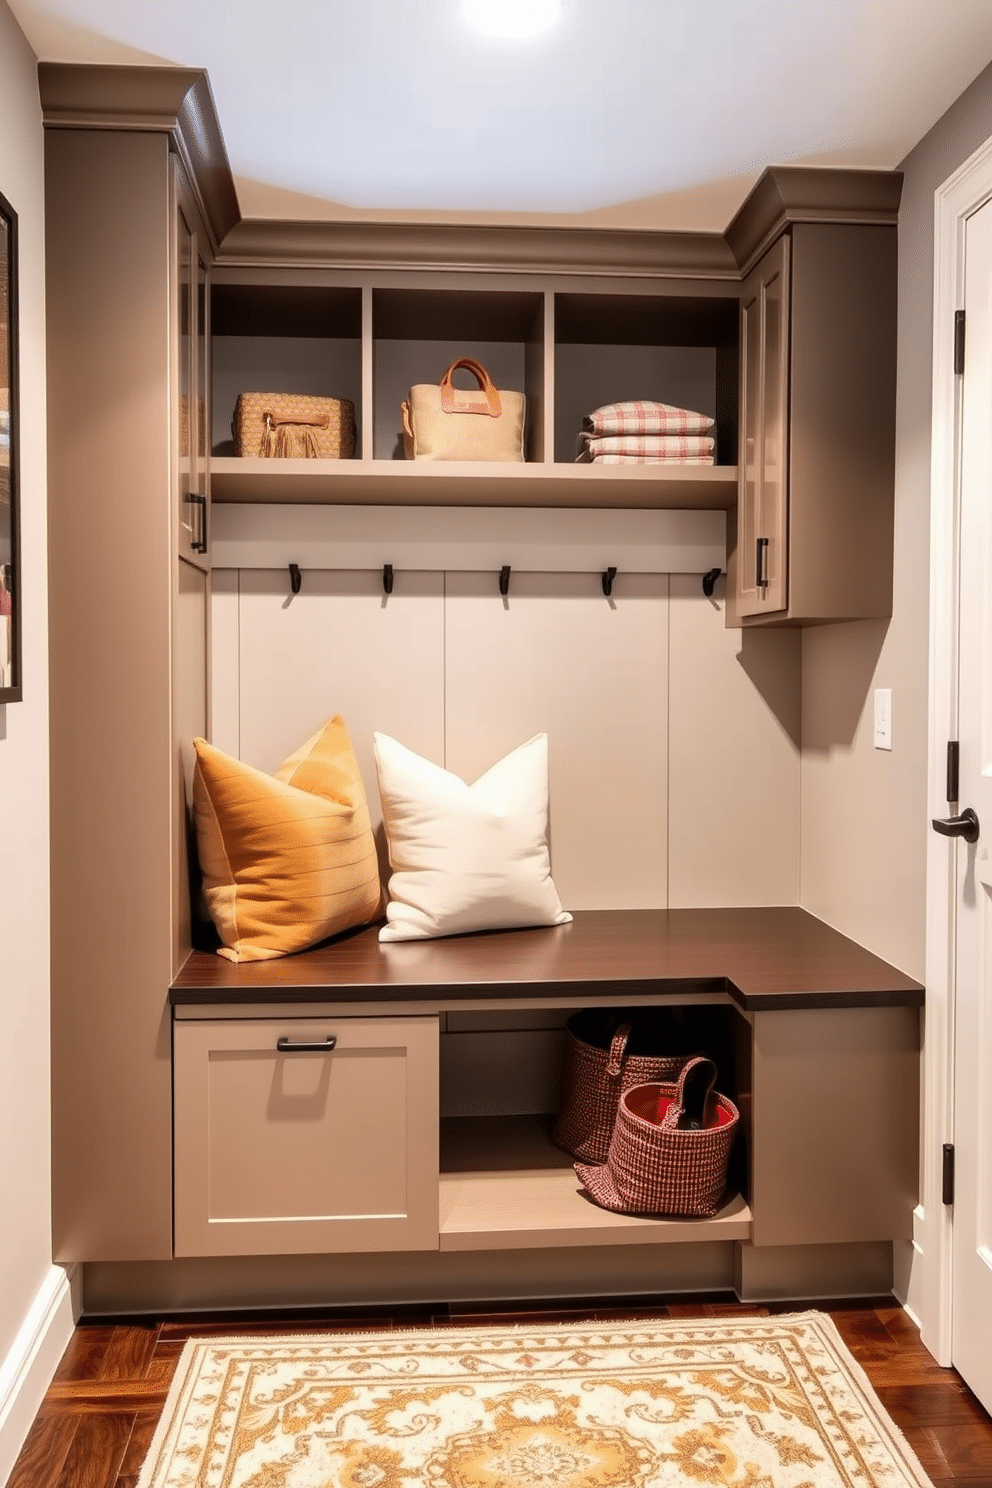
288 859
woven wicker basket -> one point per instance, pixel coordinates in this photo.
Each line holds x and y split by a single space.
599 1064
294 426
655 1167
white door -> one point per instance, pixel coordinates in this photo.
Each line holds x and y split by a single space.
971 1320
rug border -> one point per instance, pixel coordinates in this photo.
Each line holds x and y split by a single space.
193 1347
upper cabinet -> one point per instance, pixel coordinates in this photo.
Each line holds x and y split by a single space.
810 537
814 518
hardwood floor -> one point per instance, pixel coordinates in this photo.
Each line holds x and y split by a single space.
97 1420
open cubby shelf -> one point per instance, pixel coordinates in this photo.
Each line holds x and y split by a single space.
465 483
567 351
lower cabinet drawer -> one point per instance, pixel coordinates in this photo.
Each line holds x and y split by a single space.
305 1135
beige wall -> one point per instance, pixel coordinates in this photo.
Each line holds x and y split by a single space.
864 812
673 740
25 1241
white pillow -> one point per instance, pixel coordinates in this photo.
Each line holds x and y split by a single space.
466 857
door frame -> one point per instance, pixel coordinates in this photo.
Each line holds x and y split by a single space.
962 194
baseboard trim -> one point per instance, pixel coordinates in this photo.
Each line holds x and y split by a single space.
26 1372
401 1278
794 1273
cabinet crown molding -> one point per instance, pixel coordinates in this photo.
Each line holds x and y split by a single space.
796 193
176 101
493 249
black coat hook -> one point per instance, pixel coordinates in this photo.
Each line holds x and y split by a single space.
295 578
709 581
504 579
608 578
387 578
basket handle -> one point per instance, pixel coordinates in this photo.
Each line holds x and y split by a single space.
453 402
316 421
618 1047
688 1110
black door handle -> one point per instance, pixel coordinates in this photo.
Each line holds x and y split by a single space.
761 562
965 825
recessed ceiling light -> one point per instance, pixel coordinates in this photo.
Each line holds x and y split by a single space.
512 17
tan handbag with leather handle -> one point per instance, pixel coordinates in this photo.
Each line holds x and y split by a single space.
442 422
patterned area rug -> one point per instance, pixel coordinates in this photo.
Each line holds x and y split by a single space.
751 1403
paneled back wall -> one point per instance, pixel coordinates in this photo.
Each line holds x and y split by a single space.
674 742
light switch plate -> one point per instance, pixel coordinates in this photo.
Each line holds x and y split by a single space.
883 718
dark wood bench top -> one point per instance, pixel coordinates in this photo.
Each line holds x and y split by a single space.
762 958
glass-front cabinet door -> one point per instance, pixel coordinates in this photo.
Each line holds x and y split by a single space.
763 499
191 344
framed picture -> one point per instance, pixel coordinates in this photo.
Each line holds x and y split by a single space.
10 607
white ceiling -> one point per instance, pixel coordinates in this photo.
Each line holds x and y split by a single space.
632 113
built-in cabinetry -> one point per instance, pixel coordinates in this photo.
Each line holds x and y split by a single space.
285 1147
796 365
813 519
568 344
314 1126
789 344
761 574
306 1134
162 306
129 233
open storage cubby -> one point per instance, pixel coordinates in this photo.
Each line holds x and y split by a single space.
567 349
502 1179
282 338
419 333
678 349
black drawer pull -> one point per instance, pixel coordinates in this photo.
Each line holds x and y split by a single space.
306 1046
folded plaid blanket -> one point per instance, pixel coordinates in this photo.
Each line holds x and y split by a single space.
663 446
639 416
646 460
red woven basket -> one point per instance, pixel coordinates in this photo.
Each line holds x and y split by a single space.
597 1068
655 1167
